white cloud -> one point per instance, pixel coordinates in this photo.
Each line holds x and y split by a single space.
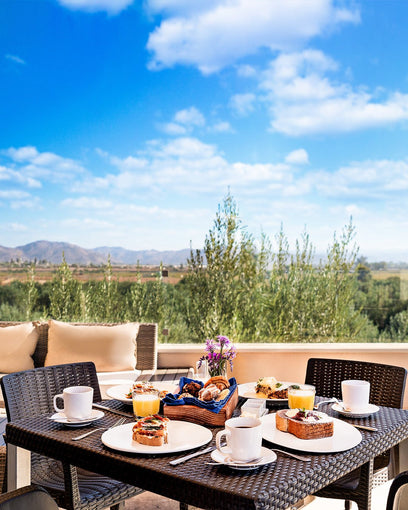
349 210
212 35
222 127
303 100
297 157
243 104
246 71
110 6
374 179
22 154
86 203
172 128
16 59
14 227
13 194
8 174
89 223
187 165
29 203
33 165
190 117
184 121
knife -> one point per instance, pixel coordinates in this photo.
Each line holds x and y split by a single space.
364 427
106 408
192 455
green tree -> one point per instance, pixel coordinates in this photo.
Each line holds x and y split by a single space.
102 300
31 292
398 329
65 295
308 302
222 281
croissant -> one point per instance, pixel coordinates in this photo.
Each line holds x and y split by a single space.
220 381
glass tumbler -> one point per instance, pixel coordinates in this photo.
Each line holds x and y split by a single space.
146 401
301 396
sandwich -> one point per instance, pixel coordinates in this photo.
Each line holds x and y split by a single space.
151 430
269 387
304 424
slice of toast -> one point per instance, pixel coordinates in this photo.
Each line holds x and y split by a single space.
305 424
151 431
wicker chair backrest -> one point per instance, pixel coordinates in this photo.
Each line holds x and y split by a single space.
30 392
387 382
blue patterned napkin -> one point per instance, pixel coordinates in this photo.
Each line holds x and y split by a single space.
213 406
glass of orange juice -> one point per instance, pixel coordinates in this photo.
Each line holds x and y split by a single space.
146 401
301 396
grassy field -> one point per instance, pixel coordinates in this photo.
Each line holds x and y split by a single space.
389 273
130 273
86 273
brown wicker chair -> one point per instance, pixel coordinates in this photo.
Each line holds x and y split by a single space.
30 393
387 385
32 497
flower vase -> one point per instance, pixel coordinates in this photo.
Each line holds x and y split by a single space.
219 372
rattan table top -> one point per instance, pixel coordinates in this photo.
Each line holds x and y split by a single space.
274 486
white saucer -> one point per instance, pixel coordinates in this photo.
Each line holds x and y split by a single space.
268 456
61 418
363 413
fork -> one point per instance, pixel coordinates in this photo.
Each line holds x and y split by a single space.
121 421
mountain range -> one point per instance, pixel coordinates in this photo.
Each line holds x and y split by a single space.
52 252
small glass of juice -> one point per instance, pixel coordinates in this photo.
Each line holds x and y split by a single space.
301 396
146 401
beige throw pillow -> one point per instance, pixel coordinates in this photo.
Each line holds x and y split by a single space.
111 348
17 345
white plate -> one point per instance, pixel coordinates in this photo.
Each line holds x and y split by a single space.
119 392
268 456
344 437
369 410
61 418
247 390
182 436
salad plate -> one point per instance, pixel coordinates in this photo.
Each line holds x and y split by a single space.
61 418
247 390
183 435
344 437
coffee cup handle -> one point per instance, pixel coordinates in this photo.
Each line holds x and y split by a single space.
218 438
55 403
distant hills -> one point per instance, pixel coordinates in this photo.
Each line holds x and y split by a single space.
52 252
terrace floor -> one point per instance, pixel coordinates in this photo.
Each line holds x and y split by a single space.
150 501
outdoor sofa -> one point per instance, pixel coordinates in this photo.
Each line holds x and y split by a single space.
121 352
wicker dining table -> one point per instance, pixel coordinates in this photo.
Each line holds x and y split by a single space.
274 486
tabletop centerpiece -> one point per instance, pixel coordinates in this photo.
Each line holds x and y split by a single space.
219 353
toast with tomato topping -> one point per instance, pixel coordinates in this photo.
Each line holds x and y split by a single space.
151 430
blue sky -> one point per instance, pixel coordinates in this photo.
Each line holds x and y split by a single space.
125 123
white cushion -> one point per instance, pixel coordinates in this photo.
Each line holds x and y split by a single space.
17 345
111 348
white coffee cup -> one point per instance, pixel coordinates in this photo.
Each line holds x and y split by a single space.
244 438
356 395
77 402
